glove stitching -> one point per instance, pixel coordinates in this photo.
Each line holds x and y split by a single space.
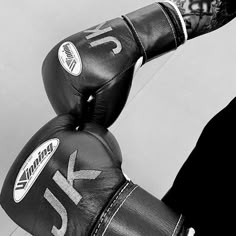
106 83
108 210
118 209
101 140
176 22
136 35
170 23
79 93
69 81
183 25
179 223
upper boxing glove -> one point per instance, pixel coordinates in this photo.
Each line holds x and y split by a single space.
90 73
67 181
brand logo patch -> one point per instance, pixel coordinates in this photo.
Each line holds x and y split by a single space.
32 168
70 58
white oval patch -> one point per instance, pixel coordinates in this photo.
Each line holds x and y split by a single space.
32 168
70 58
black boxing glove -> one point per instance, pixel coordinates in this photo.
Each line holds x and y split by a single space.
67 181
90 73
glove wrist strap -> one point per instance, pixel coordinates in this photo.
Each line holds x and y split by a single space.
178 17
133 211
157 28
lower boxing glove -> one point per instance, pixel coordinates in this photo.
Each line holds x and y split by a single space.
89 74
68 181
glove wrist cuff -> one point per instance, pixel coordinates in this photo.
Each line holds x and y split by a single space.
178 18
157 29
133 211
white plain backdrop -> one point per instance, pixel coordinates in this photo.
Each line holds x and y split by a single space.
172 97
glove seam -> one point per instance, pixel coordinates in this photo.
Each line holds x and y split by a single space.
69 82
118 209
135 34
79 93
183 25
170 10
177 227
111 205
101 140
115 77
170 23
107 211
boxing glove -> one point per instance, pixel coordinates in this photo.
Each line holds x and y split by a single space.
68 181
89 74
202 16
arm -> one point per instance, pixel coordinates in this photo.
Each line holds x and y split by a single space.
204 16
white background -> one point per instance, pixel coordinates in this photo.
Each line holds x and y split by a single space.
172 98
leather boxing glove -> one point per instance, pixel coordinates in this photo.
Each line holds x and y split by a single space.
67 181
90 73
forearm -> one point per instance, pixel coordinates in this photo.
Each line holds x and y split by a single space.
204 16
